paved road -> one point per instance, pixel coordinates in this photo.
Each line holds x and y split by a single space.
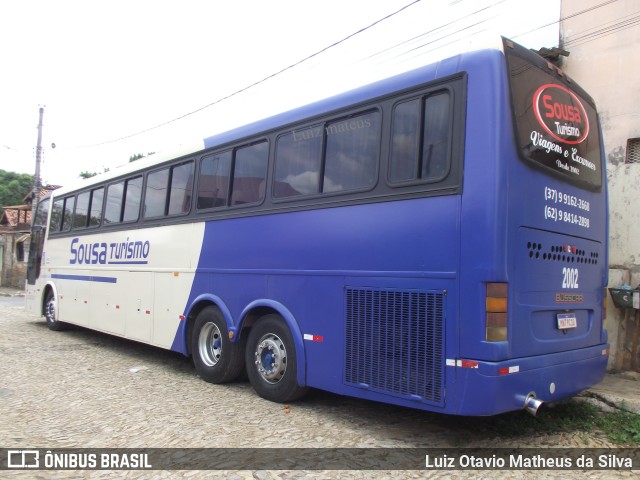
9 300
82 389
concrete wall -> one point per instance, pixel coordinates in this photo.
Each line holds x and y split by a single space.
604 57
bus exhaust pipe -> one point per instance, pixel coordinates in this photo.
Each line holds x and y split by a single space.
532 404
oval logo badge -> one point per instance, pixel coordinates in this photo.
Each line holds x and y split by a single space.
561 114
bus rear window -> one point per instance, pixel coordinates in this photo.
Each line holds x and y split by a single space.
556 127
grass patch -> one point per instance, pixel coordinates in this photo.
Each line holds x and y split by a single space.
621 427
567 417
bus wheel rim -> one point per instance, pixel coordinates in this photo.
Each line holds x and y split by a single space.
210 344
271 358
50 311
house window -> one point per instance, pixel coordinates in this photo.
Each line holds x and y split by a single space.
20 251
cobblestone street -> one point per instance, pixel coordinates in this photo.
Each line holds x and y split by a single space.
83 389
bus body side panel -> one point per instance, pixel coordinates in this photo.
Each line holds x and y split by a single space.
483 221
378 267
125 283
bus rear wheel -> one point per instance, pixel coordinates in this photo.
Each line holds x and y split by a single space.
216 358
271 360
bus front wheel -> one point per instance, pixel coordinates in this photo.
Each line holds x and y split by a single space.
216 358
271 360
50 313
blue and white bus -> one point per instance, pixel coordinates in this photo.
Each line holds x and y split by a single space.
435 240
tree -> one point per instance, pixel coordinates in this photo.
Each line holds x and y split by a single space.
138 156
13 188
86 174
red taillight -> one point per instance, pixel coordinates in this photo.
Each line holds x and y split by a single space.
496 310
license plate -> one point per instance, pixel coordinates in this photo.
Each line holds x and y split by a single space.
567 320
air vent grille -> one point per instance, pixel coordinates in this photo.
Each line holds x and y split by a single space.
395 342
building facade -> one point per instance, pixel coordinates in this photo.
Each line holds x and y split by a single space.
603 41
15 224
15 228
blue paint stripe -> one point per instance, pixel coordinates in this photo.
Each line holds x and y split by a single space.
131 262
85 278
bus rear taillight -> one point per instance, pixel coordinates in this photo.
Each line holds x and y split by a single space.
496 312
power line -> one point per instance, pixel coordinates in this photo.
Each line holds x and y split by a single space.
595 7
603 30
576 41
244 89
433 30
413 49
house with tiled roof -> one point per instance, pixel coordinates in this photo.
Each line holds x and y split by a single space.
15 217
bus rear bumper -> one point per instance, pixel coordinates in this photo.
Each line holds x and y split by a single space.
489 388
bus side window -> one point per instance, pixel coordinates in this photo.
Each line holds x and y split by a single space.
404 141
56 215
213 181
426 122
173 184
123 201
67 216
181 187
249 173
133 194
97 198
114 203
155 195
82 210
298 163
351 157
435 143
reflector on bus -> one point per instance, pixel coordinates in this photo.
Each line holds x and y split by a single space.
496 312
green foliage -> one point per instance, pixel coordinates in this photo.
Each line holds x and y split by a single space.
86 174
621 427
13 188
566 417
138 156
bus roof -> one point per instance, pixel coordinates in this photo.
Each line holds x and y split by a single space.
370 92
345 100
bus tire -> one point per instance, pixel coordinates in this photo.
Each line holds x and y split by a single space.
50 313
216 358
271 360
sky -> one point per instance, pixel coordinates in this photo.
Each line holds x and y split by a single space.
128 77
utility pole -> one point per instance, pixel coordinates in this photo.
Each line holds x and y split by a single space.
37 183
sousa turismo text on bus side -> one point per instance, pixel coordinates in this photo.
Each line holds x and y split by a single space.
103 253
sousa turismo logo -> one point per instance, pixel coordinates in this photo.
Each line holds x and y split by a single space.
126 252
561 114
